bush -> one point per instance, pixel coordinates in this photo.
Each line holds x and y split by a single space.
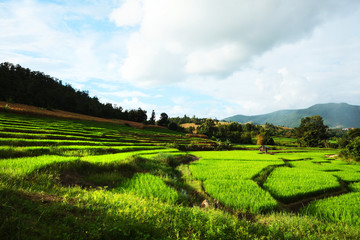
352 150
173 126
173 145
223 145
246 138
265 139
167 159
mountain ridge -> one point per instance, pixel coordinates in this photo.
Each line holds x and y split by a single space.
335 115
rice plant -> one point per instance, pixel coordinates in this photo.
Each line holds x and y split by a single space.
149 186
291 184
344 208
240 194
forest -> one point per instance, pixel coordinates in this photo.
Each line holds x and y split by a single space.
21 85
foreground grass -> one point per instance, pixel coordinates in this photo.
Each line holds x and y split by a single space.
106 215
118 182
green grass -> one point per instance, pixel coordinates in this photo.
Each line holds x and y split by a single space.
344 208
240 194
23 166
355 187
67 179
227 178
149 186
122 156
291 184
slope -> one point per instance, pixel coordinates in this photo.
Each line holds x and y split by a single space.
335 115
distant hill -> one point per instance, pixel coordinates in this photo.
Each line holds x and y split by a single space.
335 115
24 86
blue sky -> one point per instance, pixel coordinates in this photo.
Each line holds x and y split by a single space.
207 58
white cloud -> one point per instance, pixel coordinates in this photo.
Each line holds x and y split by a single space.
129 14
214 60
42 36
179 38
247 57
127 94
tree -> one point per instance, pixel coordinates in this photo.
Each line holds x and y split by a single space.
312 132
352 150
21 85
208 128
173 126
265 138
164 120
152 118
350 135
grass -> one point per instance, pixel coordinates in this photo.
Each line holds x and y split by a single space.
355 187
292 184
149 186
72 179
240 194
227 178
24 166
344 208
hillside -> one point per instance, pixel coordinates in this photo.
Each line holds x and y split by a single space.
22 85
83 179
335 115
37 111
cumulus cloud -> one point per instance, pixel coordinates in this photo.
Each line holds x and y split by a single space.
180 38
211 58
126 94
129 14
57 39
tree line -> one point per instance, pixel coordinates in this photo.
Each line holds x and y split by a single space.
187 119
242 133
21 85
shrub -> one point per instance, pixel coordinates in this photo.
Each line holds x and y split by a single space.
172 126
352 150
223 145
167 159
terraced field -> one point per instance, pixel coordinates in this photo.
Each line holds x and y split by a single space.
73 179
285 180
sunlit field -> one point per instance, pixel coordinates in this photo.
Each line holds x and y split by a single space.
72 179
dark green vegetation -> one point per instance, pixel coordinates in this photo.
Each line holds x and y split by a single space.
65 179
351 144
21 85
242 133
335 115
312 132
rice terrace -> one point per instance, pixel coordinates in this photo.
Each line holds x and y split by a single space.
79 179
179 120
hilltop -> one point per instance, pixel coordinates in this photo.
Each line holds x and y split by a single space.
335 115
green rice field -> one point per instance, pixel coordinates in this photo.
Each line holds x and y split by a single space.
72 179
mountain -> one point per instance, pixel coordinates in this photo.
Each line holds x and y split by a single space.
335 115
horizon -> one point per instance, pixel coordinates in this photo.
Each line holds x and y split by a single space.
207 58
293 109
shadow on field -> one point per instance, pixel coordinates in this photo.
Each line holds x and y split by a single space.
111 175
41 216
90 175
301 200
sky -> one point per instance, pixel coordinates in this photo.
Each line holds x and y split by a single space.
208 58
